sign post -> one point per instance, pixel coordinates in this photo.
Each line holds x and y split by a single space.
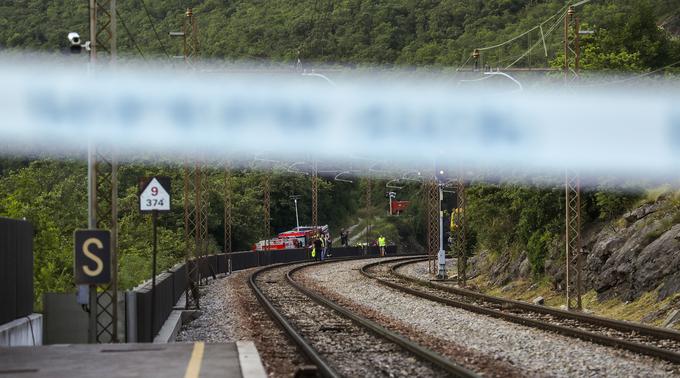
154 196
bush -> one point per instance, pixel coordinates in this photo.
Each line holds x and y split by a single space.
611 203
537 250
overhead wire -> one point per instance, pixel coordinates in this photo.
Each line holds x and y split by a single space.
153 26
531 48
561 11
464 63
132 38
636 77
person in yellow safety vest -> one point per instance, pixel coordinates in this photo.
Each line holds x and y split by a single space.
381 244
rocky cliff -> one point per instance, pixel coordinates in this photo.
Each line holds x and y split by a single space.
636 253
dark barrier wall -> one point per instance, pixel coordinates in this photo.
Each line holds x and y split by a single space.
179 281
16 269
171 285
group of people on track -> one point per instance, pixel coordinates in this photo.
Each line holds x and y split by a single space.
321 246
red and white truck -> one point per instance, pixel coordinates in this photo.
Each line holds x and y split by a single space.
299 237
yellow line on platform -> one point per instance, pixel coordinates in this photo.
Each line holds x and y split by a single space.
194 367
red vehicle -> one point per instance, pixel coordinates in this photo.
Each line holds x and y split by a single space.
299 237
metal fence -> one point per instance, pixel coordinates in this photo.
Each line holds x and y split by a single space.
16 269
170 285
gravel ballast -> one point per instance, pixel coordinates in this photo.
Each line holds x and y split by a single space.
230 312
349 348
536 352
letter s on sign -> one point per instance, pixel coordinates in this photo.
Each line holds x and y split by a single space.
93 257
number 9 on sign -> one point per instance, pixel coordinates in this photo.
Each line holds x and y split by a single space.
154 194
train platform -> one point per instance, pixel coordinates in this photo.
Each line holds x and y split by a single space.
190 360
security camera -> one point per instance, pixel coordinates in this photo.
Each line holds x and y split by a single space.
76 44
74 38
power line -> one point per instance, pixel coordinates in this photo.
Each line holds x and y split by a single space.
561 11
153 26
524 33
631 78
552 28
134 42
466 62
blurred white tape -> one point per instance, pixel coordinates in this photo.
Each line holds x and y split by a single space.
635 133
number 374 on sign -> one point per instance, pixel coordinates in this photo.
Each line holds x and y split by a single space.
154 194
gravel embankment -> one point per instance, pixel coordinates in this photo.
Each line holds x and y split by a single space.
419 271
349 348
231 313
535 352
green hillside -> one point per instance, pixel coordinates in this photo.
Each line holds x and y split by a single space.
629 35
407 32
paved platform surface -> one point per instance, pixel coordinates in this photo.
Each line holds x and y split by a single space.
122 360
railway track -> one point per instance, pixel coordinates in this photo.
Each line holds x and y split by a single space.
338 341
652 341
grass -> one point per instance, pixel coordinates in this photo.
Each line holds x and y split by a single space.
651 195
614 308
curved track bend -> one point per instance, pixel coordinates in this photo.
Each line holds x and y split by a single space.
338 341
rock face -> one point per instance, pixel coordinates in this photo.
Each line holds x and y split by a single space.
641 254
637 253
503 270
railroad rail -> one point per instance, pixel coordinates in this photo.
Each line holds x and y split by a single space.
638 338
297 309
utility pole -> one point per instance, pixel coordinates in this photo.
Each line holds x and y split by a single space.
195 215
266 208
475 57
460 230
441 254
573 247
315 195
369 204
189 34
295 198
573 255
103 184
227 215
572 45
195 230
432 213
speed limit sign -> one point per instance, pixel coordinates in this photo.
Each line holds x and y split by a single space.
155 194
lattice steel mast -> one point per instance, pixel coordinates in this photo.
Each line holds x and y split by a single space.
194 193
315 195
227 215
266 208
573 240
460 231
190 34
572 45
192 232
432 218
103 183
369 205
573 247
